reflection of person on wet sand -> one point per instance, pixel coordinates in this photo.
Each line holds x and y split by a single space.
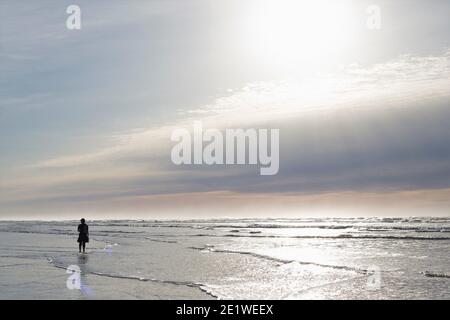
83 237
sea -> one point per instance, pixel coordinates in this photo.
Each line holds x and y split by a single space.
264 258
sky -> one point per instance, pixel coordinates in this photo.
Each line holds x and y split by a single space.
86 115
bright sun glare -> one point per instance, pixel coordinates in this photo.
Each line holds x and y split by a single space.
298 33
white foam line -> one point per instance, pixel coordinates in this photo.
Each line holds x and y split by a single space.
199 286
284 261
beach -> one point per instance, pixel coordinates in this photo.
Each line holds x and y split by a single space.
302 258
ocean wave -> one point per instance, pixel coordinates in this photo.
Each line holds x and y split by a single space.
159 240
259 222
178 222
342 236
436 274
279 226
259 234
359 225
118 227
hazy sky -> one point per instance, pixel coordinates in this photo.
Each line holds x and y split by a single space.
86 115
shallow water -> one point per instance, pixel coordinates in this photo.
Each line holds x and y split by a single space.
360 258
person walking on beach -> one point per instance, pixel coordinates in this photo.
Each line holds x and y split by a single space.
83 237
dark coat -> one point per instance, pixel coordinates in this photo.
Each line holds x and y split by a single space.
83 229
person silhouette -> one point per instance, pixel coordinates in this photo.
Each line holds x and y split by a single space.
83 237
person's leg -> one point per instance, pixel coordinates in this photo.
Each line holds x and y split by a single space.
84 246
79 247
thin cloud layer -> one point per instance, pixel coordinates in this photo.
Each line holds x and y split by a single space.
373 129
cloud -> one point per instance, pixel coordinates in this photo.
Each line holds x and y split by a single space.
384 127
400 83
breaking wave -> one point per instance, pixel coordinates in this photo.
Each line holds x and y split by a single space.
342 236
436 274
